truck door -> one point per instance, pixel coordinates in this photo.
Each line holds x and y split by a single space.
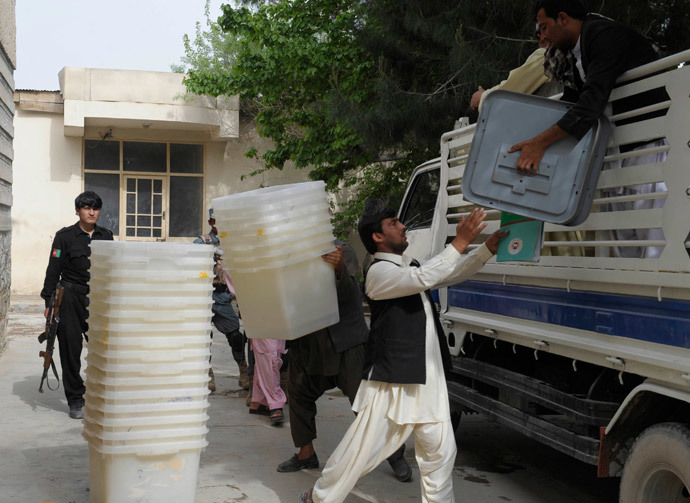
419 208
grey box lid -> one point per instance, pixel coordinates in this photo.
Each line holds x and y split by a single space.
562 190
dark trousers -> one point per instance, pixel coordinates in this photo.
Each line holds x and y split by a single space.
70 333
236 339
304 389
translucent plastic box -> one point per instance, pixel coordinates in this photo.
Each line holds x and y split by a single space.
287 302
151 478
145 409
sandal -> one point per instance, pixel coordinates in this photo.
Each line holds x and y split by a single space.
261 410
305 497
276 416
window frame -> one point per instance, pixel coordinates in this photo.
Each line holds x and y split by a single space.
411 192
149 174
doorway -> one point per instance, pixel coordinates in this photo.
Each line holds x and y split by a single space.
144 208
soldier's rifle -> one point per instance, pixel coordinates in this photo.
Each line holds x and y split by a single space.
49 336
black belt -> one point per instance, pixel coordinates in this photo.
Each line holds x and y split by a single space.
75 287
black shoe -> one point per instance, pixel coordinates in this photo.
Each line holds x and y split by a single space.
294 464
401 469
76 411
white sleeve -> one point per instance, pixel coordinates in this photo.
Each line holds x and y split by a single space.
386 280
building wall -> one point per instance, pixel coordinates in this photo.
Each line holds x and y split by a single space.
47 179
49 175
7 67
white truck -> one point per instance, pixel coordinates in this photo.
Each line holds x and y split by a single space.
585 351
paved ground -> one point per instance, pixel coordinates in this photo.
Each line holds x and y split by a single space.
45 459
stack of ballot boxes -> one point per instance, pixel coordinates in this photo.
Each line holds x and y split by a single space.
274 239
147 369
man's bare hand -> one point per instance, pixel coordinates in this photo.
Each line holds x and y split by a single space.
45 313
530 157
469 228
335 259
476 98
492 242
534 148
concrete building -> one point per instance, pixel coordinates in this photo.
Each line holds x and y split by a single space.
155 156
8 63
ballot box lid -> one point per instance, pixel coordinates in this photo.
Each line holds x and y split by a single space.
562 189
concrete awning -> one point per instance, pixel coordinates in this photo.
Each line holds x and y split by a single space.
142 99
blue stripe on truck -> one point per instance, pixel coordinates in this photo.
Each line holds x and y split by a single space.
644 318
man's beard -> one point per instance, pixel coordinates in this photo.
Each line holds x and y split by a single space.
400 247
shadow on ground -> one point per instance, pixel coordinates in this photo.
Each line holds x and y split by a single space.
27 391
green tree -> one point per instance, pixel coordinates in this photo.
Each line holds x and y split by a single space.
359 91
210 52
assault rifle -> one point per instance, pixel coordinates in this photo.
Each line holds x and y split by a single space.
49 335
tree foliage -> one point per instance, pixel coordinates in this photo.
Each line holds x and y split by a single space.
359 91
210 52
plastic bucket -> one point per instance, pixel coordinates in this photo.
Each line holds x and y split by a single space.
143 391
264 208
263 264
264 238
270 254
165 338
133 397
279 241
240 220
255 200
146 369
99 322
153 318
99 384
151 343
119 302
105 378
145 409
160 356
113 310
144 437
153 262
126 433
136 275
148 249
149 474
117 422
287 302
102 288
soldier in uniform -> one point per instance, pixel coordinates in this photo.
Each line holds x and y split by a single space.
69 264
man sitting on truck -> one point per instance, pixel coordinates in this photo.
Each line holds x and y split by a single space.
598 51
588 53
403 390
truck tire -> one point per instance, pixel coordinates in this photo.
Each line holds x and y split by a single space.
658 468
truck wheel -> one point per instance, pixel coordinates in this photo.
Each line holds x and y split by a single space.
658 468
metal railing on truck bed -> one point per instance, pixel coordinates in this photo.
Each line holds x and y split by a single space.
582 300
582 257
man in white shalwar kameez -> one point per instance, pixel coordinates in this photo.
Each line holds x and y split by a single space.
404 388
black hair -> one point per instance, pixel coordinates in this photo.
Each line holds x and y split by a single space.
375 212
573 8
88 198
